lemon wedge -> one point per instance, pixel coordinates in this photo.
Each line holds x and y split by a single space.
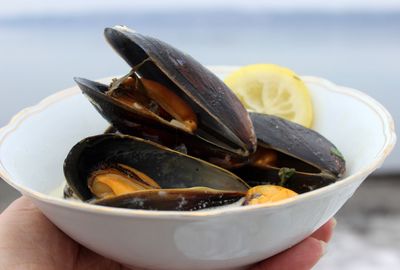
272 89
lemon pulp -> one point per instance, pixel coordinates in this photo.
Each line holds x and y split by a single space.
272 89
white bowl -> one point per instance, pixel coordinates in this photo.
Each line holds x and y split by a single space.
35 143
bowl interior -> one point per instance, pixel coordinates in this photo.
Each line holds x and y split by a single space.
35 145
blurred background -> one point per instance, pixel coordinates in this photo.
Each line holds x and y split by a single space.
44 44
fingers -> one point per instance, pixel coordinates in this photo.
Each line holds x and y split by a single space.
30 240
302 256
20 203
21 206
326 231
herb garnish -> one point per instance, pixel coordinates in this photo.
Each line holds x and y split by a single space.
285 174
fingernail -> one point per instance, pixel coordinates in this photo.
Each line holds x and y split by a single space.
334 223
324 247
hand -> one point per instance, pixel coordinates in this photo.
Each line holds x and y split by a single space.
28 240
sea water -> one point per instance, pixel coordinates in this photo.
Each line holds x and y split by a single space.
41 55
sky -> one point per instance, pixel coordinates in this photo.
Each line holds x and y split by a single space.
12 8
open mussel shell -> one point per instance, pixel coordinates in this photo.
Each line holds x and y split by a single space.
304 159
168 168
186 199
123 118
140 124
221 120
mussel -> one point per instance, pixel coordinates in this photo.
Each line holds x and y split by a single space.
168 94
121 170
291 155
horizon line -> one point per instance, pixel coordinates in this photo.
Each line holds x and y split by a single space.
313 11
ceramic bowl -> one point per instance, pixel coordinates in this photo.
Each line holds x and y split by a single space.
35 143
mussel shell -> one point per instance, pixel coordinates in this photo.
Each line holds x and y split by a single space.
298 182
299 142
222 118
324 162
123 118
189 199
170 169
137 123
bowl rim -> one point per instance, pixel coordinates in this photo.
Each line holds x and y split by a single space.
380 110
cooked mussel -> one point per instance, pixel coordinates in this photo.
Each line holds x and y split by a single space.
267 194
111 166
169 91
291 155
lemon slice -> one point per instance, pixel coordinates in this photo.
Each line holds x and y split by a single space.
272 89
